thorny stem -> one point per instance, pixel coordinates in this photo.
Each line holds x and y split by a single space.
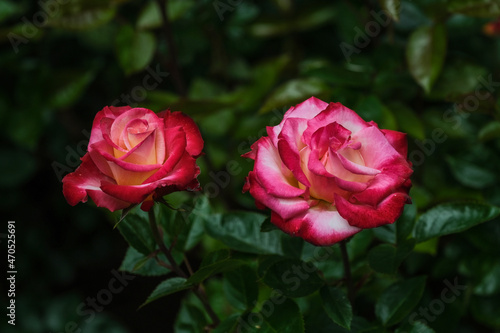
347 272
197 289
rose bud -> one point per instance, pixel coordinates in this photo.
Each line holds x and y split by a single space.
136 156
327 174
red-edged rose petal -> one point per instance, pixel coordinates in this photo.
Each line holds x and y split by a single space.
321 225
86 181
367 216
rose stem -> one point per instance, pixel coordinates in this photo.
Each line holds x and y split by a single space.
347 271
174 65
198 289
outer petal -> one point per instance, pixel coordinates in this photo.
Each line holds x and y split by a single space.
379 188
86 180
366 216
321 225
285 207
193 135
397 140
271 173
375 148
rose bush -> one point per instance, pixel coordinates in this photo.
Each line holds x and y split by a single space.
134 156
326 174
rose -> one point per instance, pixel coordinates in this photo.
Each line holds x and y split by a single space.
134 156
326 174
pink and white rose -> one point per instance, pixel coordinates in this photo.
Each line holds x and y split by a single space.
327 174
135 156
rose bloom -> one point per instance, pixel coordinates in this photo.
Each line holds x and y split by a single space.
326 174
135 155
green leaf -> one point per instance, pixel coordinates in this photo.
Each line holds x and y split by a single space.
241 231
490 282
151 18
240 287
382 258
294 278
405 223
485 310
137 263
417 327
190 319
392 7
216 262
267 226
285 317
340 76
137 233
470 174
398 300
9 8
183 228
294 92
386 258
254 323
71 88
337 306
490 131
371 108
135 49
407 120
457 79
228 325
425 54
476 8
166 288
82 14
309 18
451 218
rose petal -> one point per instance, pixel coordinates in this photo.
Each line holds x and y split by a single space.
175 148
181 175
321 225
335 112
107 112
193 135
86 181
397 140
119 127
272 174
367 216
285 207
305 110
375 148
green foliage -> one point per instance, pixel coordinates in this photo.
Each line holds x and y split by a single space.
425 54
422 67
168 287
337 306
135 49
450 218
397 301
240 287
